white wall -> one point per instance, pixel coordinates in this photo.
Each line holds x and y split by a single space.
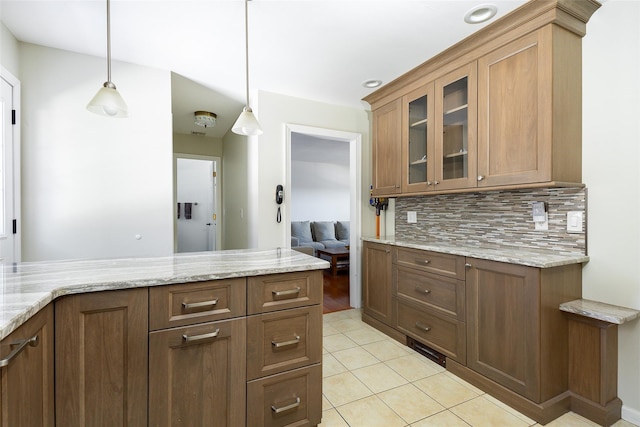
611 165
235 189
319 191
9 56
90 184
269 156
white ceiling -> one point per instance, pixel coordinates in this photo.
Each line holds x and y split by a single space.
314 49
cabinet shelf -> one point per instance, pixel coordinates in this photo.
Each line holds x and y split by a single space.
418 123
418 162
456 109
458 154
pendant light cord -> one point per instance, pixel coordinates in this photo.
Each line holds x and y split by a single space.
108 41
246 45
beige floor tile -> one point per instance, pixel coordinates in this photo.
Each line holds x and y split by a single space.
365 336
571 419
344 325
337 342
480 412
379 377
331 418
623 423
410 403
413 367
326 404
444 390
509 409
370 412
386 350
354 358
344 388
329 330
463 382
331 366
339 315
442 419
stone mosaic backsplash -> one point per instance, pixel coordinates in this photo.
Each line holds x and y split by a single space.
495 218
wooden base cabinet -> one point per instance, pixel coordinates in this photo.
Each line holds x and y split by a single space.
101 358
26 375
377 292
197 375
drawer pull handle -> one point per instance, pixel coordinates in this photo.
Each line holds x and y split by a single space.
188 305
286 408
21 345
295 291
286 343
422 261
193 338
422 327
422 291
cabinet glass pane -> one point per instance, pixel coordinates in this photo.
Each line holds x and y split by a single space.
455 158
418 140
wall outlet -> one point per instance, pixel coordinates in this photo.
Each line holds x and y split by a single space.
412 217
574 221
542 225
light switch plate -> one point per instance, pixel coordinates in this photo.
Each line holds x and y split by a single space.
542 225
412 217
574 221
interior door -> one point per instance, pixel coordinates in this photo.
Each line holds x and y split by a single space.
8 252
196 204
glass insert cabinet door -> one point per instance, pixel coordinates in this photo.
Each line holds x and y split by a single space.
456 147
418 159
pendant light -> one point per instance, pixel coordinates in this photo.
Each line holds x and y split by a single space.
247 124
108 101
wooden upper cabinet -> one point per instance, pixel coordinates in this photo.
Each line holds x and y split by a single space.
387 134
455 138
529 114
418 140
26 380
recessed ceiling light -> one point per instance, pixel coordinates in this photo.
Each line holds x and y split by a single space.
480 13
370 84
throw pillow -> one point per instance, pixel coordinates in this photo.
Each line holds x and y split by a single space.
342 230
323 230
301 230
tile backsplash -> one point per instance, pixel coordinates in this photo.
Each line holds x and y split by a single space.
495 218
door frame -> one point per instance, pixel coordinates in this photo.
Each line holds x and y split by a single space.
17 237
355 198
218 197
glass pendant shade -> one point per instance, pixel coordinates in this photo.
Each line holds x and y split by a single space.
108 102
247 124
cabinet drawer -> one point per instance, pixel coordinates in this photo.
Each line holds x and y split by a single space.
292 398
280 291
433 262
190 303
283 340
440 293
440 332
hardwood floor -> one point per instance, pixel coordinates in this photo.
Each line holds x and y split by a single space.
336 292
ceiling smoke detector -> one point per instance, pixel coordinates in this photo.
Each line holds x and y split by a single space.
205 119
371 84
480 13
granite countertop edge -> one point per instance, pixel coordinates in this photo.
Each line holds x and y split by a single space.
514 255
34 285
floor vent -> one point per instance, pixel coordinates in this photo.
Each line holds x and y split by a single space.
427 352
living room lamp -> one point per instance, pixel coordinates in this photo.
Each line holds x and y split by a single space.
247 124
108 102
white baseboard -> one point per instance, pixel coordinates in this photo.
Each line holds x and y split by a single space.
631 415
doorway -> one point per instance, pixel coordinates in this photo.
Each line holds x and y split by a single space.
197 202
353 141
10 248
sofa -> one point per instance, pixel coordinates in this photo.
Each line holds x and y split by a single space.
319 234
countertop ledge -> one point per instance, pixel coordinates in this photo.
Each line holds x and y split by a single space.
514 255
29 287
600 311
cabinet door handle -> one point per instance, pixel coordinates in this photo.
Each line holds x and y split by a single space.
188 305
422 291
20 345
422 261
294 291
429 182
436 182
480 177
422 327
201 337
296 340
286 408
468 265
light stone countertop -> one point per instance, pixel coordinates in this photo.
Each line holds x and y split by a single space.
29 287
510 254
600 311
